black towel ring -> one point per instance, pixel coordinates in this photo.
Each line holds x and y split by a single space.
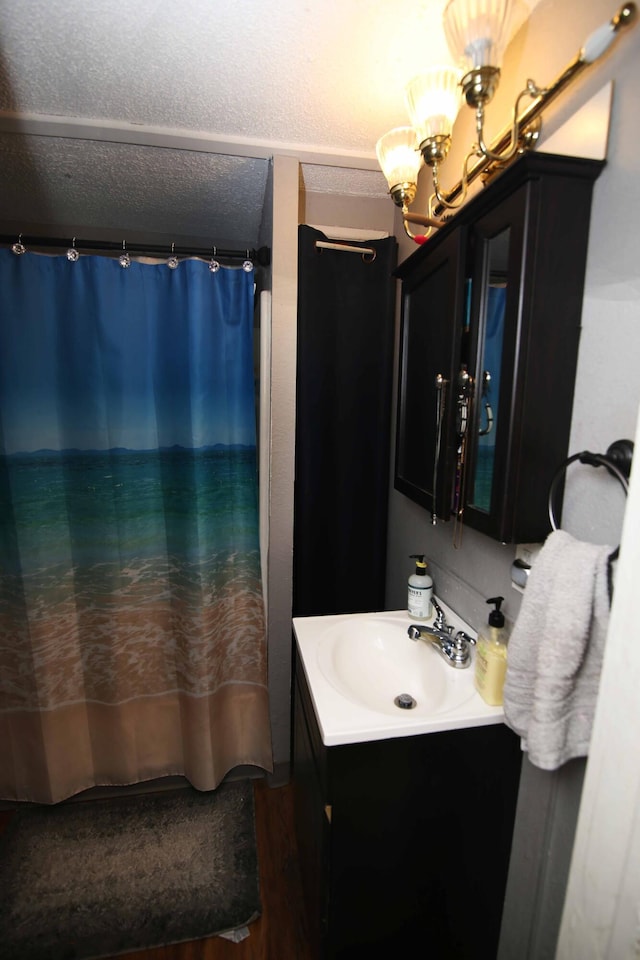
617 462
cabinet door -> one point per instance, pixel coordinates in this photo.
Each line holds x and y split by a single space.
529 254
497 319
432 310
312 824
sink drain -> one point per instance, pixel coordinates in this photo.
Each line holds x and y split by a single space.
405 701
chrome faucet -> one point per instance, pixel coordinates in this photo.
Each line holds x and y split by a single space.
454 649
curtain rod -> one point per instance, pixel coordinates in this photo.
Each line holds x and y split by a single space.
347 248
261 256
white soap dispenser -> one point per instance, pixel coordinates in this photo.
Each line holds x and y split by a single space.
491 656
420 590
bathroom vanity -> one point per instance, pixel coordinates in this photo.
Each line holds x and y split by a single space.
404 836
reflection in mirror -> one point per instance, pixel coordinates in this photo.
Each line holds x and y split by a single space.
488 378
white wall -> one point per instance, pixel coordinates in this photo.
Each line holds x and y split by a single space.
601 919
284 311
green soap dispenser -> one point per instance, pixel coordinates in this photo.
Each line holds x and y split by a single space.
420 590
491 656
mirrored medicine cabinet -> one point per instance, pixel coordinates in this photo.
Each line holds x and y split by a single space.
491 310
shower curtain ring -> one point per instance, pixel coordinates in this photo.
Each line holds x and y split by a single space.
72 253
124 259
172 262
214 265
247 266
18 247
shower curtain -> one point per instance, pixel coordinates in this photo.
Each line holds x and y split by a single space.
132 633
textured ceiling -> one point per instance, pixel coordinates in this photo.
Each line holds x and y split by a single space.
131 190
233 81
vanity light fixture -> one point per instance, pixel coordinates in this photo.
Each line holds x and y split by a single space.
433 101
397 153
477 32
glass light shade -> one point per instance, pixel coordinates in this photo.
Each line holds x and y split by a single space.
433 100
477 31
398 156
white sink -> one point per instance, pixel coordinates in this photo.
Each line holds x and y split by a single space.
372 661
358 665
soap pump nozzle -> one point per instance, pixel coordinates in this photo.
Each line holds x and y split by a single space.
421 564
496 617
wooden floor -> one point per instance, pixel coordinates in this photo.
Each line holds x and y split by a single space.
280 933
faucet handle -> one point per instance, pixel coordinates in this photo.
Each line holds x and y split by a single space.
460 648
440 620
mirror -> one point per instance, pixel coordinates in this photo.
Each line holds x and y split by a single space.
487 393
429 350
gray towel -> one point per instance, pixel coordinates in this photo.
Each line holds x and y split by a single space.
555 651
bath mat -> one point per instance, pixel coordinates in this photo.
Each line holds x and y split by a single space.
102 877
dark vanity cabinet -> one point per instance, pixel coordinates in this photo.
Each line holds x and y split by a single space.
491 311
404 843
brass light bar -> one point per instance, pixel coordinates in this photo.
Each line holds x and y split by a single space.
526 120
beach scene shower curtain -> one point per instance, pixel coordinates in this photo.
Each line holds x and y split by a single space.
132 629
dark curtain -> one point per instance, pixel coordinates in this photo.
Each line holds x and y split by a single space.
344 381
